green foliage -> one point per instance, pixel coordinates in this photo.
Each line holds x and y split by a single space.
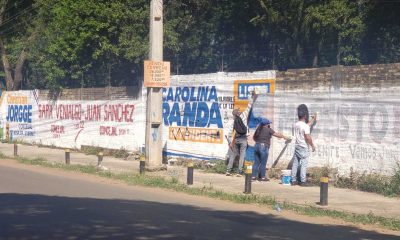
218 166
385 185
120 153
90 150
314 174
95 43
88 43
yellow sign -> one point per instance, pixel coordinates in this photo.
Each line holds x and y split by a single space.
157 74
196 135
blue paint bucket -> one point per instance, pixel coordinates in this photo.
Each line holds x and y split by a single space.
286 178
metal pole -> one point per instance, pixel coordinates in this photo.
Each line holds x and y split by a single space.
15 149
190 174
142 165
67 156
154 94
323 191
247 181
99 158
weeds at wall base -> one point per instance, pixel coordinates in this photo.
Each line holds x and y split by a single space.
173 184
88 150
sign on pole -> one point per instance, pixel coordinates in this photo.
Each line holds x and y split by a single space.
157 74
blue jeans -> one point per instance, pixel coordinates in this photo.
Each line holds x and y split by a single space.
260 160
239 149
300 158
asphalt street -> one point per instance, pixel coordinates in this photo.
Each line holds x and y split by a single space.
38 203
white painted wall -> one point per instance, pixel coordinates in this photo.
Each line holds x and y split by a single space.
354 130
114 124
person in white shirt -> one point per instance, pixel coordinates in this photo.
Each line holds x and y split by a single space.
303 140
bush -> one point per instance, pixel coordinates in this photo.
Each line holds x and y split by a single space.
314 174
217 166
376 183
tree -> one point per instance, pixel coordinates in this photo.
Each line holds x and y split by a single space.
338 24
89 43
96 43
382 41
214 36
15 38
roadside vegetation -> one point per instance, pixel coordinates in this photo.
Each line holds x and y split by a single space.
117 153
385 185
80 44
88 150
209 191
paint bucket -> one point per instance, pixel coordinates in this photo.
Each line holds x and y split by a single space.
286 177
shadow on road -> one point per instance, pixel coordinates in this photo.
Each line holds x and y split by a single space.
25 216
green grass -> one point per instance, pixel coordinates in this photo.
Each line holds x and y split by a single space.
385 185
376 183
218 167
90 150
174 184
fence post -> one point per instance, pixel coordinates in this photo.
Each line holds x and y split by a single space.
15 149
99 158
67 156
142 164
323 191
247 181
190 174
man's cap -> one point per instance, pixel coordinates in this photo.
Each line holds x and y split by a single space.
235 111
265 121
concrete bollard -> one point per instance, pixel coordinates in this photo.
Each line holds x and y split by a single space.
142 165
99 158
247 181
15 149
190 174
323 199
67 156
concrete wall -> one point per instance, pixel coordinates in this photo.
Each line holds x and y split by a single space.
358 124
363 79
359 114
67 121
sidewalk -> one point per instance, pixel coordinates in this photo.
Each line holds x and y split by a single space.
338 199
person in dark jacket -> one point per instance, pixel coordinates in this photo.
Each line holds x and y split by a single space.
262 137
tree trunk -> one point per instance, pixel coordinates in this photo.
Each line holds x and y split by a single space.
315 60
4 58
6 66
316 54
18 70
339 51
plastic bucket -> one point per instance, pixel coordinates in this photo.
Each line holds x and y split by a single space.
286 177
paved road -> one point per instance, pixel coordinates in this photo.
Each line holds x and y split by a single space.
38 203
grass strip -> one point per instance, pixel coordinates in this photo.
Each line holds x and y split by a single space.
173 184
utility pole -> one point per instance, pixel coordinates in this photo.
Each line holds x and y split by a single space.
154 94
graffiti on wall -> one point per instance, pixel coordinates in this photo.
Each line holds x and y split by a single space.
17 115
351 132
197 111
110 124
261 107
193 114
